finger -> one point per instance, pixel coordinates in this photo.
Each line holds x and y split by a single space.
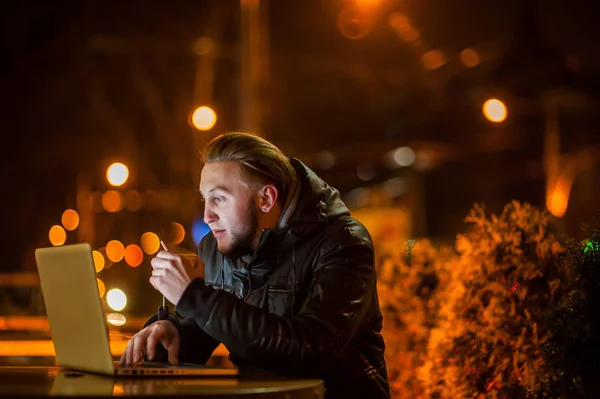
172 347
159 272
129 358
161 263
166 255
156 283
138 346
151 343
129 351
124 354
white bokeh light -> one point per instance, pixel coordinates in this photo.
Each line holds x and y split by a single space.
404 156
116 299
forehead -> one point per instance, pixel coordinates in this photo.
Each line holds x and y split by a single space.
221 174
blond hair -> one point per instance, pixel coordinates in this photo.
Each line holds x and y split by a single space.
259 159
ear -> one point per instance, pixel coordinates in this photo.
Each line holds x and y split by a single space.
267 197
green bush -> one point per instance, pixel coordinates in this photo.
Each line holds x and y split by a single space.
572 353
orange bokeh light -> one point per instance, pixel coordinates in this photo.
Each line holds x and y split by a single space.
57 235
558 199
434 59
133 200
177 233
133 255
112 201
70 219
98 261
354 23
115 251
469 57
150 243
101 287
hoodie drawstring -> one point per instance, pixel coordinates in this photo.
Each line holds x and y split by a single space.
222 272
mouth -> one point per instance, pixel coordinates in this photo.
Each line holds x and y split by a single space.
218 233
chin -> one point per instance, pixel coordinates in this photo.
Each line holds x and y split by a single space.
233 251
223 248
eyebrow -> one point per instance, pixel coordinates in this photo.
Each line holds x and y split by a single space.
222 188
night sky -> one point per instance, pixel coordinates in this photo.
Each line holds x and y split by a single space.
87 83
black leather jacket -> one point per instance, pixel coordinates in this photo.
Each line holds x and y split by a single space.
304 304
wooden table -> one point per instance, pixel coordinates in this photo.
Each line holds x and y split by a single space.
40 382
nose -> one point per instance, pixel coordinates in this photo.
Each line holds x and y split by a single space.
209 215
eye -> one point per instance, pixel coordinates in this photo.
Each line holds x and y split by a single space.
218 200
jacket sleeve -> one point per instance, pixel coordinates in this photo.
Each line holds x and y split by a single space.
195 346
339 296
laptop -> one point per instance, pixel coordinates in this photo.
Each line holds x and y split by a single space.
76 320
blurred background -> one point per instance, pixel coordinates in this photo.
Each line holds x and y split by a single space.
414 110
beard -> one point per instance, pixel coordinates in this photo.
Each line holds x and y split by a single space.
242 237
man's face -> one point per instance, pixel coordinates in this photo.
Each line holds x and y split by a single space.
229 207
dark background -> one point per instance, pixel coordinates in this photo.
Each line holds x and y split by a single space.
85 83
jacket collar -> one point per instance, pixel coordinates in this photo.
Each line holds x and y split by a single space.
310 203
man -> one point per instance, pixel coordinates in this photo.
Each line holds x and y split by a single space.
289 283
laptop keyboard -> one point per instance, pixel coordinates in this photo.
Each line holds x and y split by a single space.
148 364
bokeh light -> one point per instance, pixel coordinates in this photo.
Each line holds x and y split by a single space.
70 219
176 233
324 160
133 200
469 57
494 110
112 201
367 3
107 262
199 230
117 174
150 243
434 59
359 197
150 200
57 235
133 255
558 200
365 171
116 299
203 46
403 27
353 22
204 118
115 251
98 261
395 187
101 287
399 22
116 319
404 156
558 204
